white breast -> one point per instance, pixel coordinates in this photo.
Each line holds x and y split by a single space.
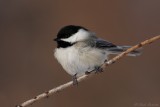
77 61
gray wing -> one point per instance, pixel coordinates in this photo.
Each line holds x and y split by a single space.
99 43
110 47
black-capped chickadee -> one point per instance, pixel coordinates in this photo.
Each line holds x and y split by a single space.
79 51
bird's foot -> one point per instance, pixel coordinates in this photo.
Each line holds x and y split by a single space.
98 69
87 72
74 78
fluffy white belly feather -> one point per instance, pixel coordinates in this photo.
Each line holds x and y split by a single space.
77 60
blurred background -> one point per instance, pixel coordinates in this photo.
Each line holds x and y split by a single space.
28 67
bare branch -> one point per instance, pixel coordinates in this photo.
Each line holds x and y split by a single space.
68 84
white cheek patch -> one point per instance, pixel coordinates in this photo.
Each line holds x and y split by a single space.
79 36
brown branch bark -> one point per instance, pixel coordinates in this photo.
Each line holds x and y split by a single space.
68 84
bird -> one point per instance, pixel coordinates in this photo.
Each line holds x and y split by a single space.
80 51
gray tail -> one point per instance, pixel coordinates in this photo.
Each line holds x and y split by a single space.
119 49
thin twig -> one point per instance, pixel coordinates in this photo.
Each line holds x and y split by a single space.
68 84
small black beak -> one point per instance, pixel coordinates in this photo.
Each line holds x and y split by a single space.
56 39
